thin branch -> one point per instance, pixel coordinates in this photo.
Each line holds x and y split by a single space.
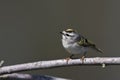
16 76
59 63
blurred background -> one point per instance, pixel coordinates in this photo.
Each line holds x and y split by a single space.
29 31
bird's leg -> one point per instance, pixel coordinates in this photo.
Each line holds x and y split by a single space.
70 57
83 57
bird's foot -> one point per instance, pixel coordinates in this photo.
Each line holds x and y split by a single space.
67 59
83 57
70 57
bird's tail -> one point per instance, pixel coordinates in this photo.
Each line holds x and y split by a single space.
98 49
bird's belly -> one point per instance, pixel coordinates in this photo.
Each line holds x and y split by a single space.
75 49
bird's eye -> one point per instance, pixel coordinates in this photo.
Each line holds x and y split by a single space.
67 35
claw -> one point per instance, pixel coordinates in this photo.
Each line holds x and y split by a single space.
83 57
67 59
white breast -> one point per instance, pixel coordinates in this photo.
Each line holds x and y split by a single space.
73 47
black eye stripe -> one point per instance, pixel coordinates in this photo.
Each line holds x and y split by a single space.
67 35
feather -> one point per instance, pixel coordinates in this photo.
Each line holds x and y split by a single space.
87 43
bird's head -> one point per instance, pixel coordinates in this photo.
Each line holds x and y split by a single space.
69 34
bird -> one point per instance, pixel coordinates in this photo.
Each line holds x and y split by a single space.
75 43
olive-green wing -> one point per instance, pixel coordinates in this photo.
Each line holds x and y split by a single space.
87 43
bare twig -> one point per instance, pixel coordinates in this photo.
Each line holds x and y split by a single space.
16 76
59 63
